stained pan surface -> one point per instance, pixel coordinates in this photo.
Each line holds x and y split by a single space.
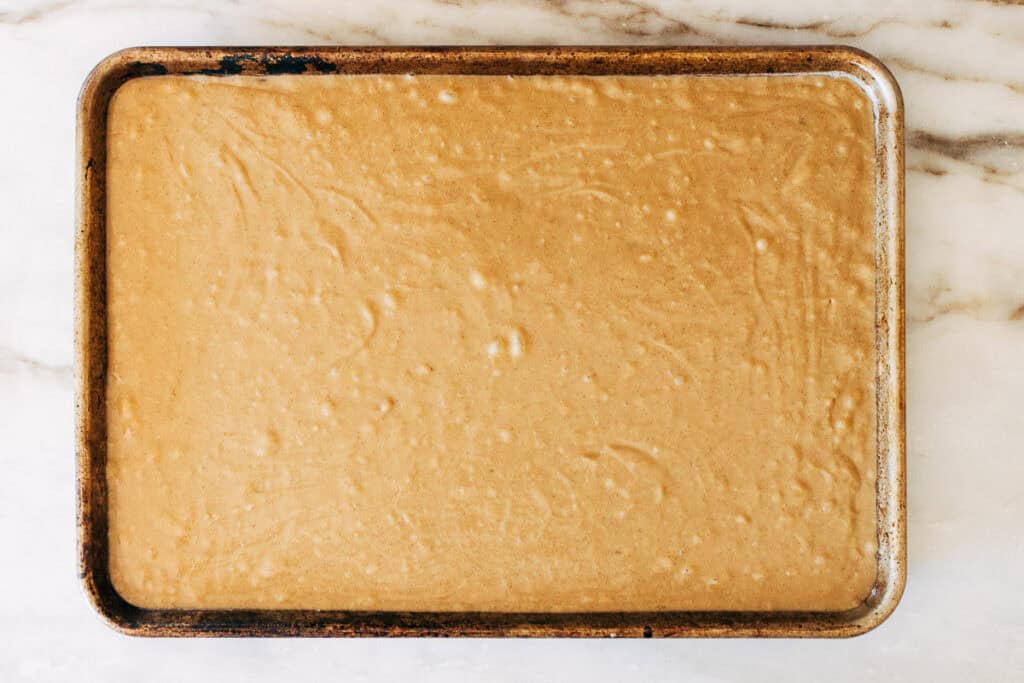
537 419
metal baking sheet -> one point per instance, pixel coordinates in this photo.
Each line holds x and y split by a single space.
91 349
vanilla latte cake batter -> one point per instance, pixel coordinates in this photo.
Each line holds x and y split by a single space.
491 343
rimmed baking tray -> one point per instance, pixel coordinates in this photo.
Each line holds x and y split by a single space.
91 335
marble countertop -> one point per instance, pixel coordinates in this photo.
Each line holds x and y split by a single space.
961 66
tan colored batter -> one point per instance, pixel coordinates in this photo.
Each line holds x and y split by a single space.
489 343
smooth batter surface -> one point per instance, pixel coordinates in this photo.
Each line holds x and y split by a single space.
545 343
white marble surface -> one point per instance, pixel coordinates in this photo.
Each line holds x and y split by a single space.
961 66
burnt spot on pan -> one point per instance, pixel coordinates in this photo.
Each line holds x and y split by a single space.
146 69
233 65
288 64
